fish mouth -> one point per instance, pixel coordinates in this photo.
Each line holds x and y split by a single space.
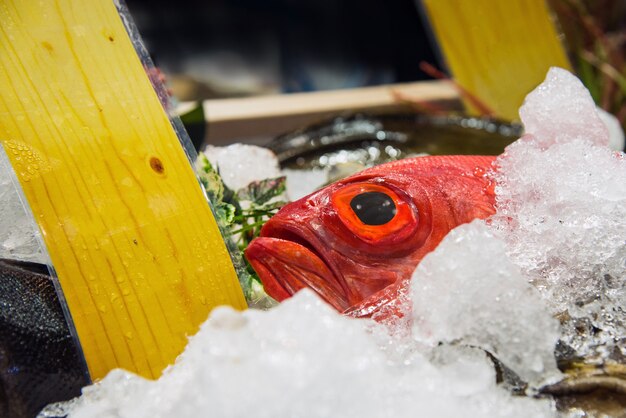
287 262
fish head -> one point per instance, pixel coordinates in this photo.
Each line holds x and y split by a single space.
357 241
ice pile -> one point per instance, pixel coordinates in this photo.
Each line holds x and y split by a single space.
467 291
561 206
302 359
241 164
19 236
561 109
565 227
561 202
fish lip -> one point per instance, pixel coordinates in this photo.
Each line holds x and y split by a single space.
309 240
265 247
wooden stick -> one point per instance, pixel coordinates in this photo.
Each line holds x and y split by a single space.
241 118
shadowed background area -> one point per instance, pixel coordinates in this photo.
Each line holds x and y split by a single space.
220 48
235 48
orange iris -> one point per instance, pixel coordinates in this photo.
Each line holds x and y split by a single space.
389 217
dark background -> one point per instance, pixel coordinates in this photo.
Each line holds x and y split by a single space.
225 48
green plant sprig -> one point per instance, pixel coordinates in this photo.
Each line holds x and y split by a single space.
241 214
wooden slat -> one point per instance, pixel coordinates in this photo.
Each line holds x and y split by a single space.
499 50
243 118
138 254
325 101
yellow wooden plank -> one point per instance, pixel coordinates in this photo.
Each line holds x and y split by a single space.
498 50
138 254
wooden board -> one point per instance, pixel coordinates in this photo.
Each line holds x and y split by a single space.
499 50
265 116
138 254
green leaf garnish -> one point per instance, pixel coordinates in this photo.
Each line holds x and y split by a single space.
260 192
241 214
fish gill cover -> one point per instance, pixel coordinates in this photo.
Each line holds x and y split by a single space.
554 248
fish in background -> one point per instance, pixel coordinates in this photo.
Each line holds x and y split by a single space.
356 242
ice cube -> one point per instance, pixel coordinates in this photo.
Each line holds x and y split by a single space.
560 110
241 164
303 182
467 291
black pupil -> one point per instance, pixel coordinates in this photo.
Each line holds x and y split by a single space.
373 208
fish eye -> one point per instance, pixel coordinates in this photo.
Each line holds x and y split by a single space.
374 212
373 208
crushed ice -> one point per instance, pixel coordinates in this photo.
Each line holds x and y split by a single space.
241 164
302 359
555 249
19 236
561 207
469 292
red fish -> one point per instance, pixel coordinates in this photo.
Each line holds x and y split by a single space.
356 242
